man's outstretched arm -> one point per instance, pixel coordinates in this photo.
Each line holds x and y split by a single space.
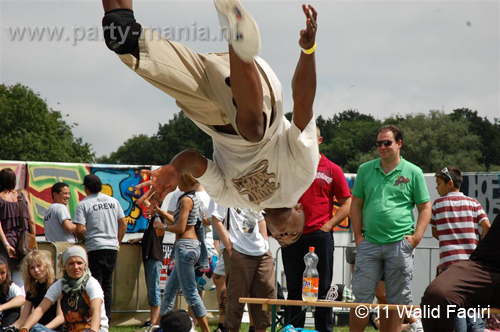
304 79
166 178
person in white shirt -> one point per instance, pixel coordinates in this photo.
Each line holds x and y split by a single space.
81 296
57 221
261 160
100 221
248 263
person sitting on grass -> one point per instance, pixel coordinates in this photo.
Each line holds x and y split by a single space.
80 294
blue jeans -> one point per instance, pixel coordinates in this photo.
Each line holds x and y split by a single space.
186 255
152 270
40 328
469 324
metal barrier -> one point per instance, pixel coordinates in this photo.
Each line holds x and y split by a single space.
426 257
129 285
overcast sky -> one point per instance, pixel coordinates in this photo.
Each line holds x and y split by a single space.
379 57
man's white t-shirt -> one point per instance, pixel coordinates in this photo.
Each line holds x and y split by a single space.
271 173
244 230
100 214
53 224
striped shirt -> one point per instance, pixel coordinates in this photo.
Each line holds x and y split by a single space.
456 218
195 211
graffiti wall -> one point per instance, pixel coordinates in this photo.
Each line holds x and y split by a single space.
118 181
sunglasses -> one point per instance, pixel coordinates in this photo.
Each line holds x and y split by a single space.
447 173
386 142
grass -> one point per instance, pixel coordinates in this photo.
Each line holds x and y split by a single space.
244 328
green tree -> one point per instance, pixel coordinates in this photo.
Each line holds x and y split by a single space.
30 130
488 132
138 150
347 137
433 141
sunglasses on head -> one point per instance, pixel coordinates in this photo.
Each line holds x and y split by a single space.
386 142
447 173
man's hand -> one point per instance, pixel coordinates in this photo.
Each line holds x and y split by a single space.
163 181
308 35
158 225
132 241
229 249
327 227
205 220
358 240
413 240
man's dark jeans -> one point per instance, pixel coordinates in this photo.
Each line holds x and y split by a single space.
293 262
101 265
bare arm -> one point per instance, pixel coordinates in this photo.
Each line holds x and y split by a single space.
223 234
185 208
304 79
165 179
435 233
58 320
122 229
357 219
69 226
37 313
25 312
168 217
95 320
424 218
11 251
16 302
80 232
31 216
263 229
340 215
485 226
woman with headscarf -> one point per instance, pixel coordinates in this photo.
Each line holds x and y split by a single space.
82 299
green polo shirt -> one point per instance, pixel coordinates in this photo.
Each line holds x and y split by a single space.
389 199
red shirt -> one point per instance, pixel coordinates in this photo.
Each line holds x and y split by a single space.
317 201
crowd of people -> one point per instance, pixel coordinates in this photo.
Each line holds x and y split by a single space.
267 178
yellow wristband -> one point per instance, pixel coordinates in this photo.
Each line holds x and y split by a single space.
311 50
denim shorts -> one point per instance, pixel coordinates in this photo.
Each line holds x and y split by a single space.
152 270
393 259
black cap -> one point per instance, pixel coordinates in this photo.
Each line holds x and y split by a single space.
92 183
176 320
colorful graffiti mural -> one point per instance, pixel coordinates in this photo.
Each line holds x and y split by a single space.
120 181
38 178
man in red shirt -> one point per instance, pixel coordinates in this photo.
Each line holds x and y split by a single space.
317 203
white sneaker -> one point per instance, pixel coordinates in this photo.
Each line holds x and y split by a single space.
239 28
415 327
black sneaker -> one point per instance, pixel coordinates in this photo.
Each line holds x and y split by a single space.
221 328
146 324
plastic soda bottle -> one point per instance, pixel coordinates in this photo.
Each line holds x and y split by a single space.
159 232
310 278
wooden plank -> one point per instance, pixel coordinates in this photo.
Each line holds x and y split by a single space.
269 302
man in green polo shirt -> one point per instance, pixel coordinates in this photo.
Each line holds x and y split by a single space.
385 192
